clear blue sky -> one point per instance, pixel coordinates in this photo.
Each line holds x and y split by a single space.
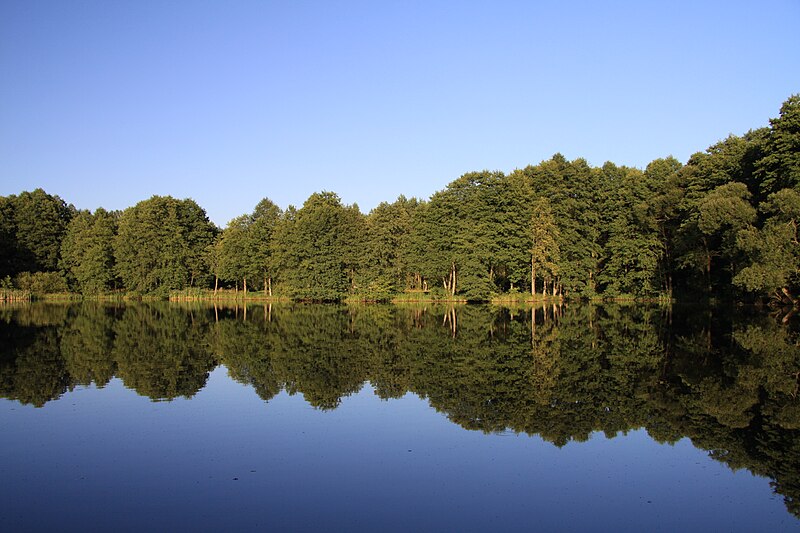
107 103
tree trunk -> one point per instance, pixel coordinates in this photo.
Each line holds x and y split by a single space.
244 287
791 299
216 285
269 282
708 273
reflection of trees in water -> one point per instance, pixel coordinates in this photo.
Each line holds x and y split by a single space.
162 352
31 368
313 350
729 383
86 344
159 351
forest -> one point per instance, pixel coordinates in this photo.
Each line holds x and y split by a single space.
722 226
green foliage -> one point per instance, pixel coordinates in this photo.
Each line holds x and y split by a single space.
265 219
87 252
32 226
720 226
662 178
161 245
233 248
464 238
574 192
772 252
779 168
10 256
544 237
725 209
321 247
41 283
386 267
244 250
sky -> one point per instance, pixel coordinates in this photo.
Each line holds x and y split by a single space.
107 103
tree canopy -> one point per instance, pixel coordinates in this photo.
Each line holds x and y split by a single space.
724 225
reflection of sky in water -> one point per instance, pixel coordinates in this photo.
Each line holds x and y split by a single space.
225 459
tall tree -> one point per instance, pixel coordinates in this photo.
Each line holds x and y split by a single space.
264 220
389 230
87 251
779 168
663 181
39 224
631 244
574 192
161 245
718 218
773 252
545 252
322 243
234 251
8 238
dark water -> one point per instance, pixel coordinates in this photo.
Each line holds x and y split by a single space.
388 418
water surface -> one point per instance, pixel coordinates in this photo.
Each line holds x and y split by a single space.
380 417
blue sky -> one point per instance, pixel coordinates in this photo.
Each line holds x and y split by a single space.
108 103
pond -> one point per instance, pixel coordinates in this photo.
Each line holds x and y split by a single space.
424 418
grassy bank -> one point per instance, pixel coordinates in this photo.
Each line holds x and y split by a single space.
224 295
15 295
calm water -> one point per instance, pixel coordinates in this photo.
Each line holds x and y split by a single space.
388 418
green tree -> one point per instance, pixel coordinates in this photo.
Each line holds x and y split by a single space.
387 267
87 251
246 248
773 252
779 168
265 219
41 283
233 247
575 195
718 217
664 183
34 224
457 235
545 251
631 244
8 238
322 246
161 245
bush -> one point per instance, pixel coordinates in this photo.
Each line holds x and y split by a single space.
41 282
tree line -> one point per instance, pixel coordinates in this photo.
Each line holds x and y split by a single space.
722 225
